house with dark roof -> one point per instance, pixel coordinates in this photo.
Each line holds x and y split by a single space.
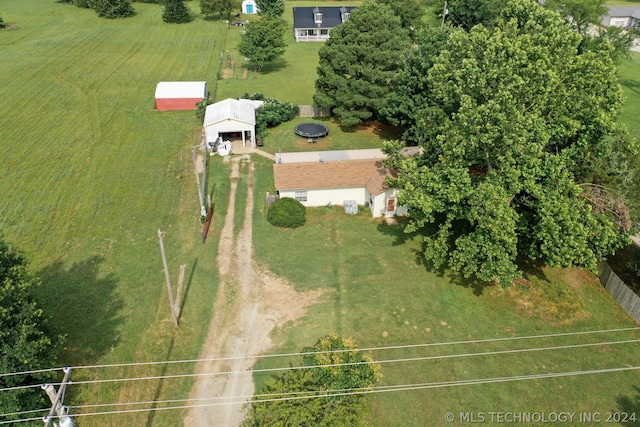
314 24
625 17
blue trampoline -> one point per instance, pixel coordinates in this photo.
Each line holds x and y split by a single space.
311 130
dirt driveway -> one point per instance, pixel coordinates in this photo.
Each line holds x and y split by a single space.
250 303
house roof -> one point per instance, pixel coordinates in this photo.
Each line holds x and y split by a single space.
181 90
242 110
308 176
329 156
622 12
303 17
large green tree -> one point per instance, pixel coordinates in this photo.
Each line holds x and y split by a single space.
409 11
24 341
359 64
341 376
515 122
580 13
263 41
221 7
273 8
112 8
175 12
469 13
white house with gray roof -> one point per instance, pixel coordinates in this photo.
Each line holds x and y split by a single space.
624 17
314 24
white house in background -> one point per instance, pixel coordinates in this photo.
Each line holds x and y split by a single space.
314 24
249 7
231 118
334 180
625 17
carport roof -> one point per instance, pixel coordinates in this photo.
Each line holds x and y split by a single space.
241 110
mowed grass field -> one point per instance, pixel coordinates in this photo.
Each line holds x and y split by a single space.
89 172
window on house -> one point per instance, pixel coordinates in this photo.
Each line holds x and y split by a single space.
301 196
317 16
324 32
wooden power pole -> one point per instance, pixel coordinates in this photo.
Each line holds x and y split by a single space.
168 279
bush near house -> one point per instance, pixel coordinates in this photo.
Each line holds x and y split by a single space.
272 113
286 212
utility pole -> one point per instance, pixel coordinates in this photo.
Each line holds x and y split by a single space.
56 401
444 13
195 170
168 280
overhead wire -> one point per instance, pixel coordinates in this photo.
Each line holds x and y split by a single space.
382 361
348 392
365 349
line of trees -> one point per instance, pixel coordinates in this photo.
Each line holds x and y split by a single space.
517 117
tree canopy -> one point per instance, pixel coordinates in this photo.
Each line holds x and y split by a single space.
273 8
580 13
515 121
468 13
359 64
263 41
342 372
175 12
213 7
24 343
112 8
409 11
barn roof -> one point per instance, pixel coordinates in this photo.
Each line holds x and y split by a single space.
241 110
307 176
181 90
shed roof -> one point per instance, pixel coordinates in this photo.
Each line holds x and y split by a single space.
181 90
303 17
241 110
307 176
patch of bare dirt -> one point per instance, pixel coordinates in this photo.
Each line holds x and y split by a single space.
250 303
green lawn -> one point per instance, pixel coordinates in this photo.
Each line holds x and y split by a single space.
89 172
629 75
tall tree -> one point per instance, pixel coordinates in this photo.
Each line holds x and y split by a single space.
516 118
469 13
175 12
409 11
406 104
112 9
263 41
359 64
580 13
222 7
24 342
273 8
341 369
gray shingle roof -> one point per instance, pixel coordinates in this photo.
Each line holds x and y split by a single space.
303 17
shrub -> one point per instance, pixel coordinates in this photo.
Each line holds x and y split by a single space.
272 112
201 108
286 212
112 9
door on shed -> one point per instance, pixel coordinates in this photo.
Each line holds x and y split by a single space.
249 9
391 206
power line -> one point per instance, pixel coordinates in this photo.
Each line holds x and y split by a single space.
383 361
366 349
373 390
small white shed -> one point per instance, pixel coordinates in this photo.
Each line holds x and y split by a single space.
232 117
249 7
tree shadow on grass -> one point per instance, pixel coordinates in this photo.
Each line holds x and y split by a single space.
630 84
629 405
85 307
397 231
271 67
532 267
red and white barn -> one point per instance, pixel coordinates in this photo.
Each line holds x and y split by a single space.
180 95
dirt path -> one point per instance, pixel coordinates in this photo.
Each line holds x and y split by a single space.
249 304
